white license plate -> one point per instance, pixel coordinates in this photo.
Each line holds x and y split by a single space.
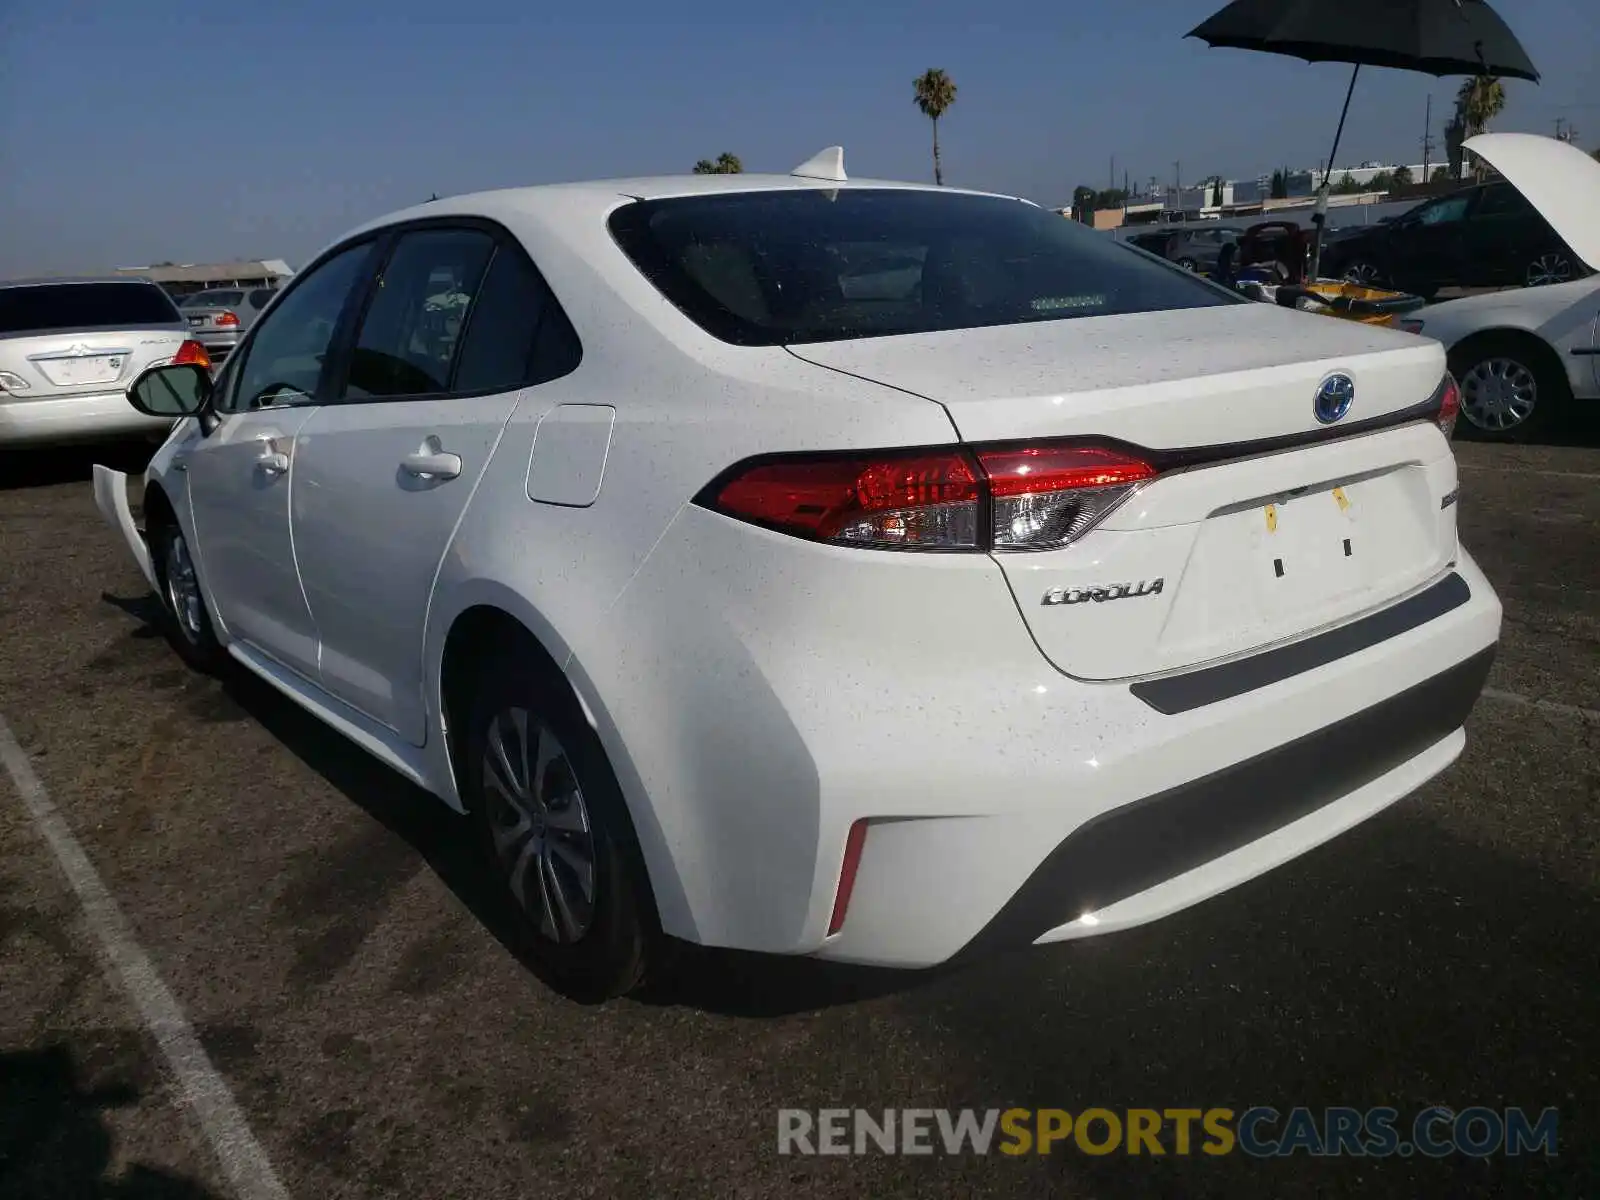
197 320
94 368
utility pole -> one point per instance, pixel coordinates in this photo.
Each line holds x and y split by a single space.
1427 140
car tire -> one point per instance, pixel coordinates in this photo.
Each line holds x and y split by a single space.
1364 272
1512 388
1553 266
557 835
184 618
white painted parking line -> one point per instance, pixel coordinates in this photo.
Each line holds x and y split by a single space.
243 1160
1568 710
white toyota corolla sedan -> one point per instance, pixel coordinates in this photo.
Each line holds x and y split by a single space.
883 573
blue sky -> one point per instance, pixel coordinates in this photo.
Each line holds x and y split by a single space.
137 132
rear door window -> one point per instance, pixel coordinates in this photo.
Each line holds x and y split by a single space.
516 332
35 308
406 345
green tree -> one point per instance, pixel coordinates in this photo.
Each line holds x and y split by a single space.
1110 198
1439 172
1216 191
1083 201
934 92
1345 186
725 164
1279 190
1479 100
1401 178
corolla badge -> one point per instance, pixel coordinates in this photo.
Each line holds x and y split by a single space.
1335 395
1100 593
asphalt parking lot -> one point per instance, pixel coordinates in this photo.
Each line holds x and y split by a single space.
321 928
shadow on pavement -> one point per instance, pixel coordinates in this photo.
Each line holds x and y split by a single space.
55 1142
723 982
47 466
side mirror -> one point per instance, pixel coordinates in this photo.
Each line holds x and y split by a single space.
175 390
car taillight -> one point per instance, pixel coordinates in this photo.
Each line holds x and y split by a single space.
1035 497
1047 496
1449 405
225 318
192 352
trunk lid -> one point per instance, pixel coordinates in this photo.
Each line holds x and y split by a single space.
86 361
1264 525
1557 178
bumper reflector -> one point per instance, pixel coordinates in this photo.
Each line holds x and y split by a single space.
853 846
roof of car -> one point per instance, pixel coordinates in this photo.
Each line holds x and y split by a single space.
53 279
600 195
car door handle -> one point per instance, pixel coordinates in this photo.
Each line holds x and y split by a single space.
438 465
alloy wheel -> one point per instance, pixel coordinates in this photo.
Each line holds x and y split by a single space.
183 588
1498 394
1549 268
539 823
1364 273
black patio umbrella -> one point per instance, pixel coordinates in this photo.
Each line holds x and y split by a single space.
1435 37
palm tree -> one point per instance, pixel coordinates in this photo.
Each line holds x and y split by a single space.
725 164
1479 100
935 93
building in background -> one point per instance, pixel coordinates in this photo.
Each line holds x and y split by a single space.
182 279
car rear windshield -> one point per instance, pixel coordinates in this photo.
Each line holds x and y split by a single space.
33 307
816 265
219 299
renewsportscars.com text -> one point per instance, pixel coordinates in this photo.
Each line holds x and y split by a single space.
1260 1131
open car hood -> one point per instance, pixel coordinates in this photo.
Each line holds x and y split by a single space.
1557 178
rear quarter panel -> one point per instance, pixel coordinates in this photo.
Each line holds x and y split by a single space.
687 407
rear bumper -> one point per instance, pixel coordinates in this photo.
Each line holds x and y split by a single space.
777 693
1359 763
218 345
95 416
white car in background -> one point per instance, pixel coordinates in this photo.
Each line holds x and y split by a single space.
1522 356
1021 590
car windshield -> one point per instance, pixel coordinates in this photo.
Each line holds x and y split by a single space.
219 299
814 265
110 305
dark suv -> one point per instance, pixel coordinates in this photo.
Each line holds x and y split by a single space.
1193 249
1484 236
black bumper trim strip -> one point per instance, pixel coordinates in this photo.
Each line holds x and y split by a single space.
1133 848
1196 689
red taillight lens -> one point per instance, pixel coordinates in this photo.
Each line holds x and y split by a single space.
192 352
1047 496
1038 497
1449 405
225 318
853 845
914 501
